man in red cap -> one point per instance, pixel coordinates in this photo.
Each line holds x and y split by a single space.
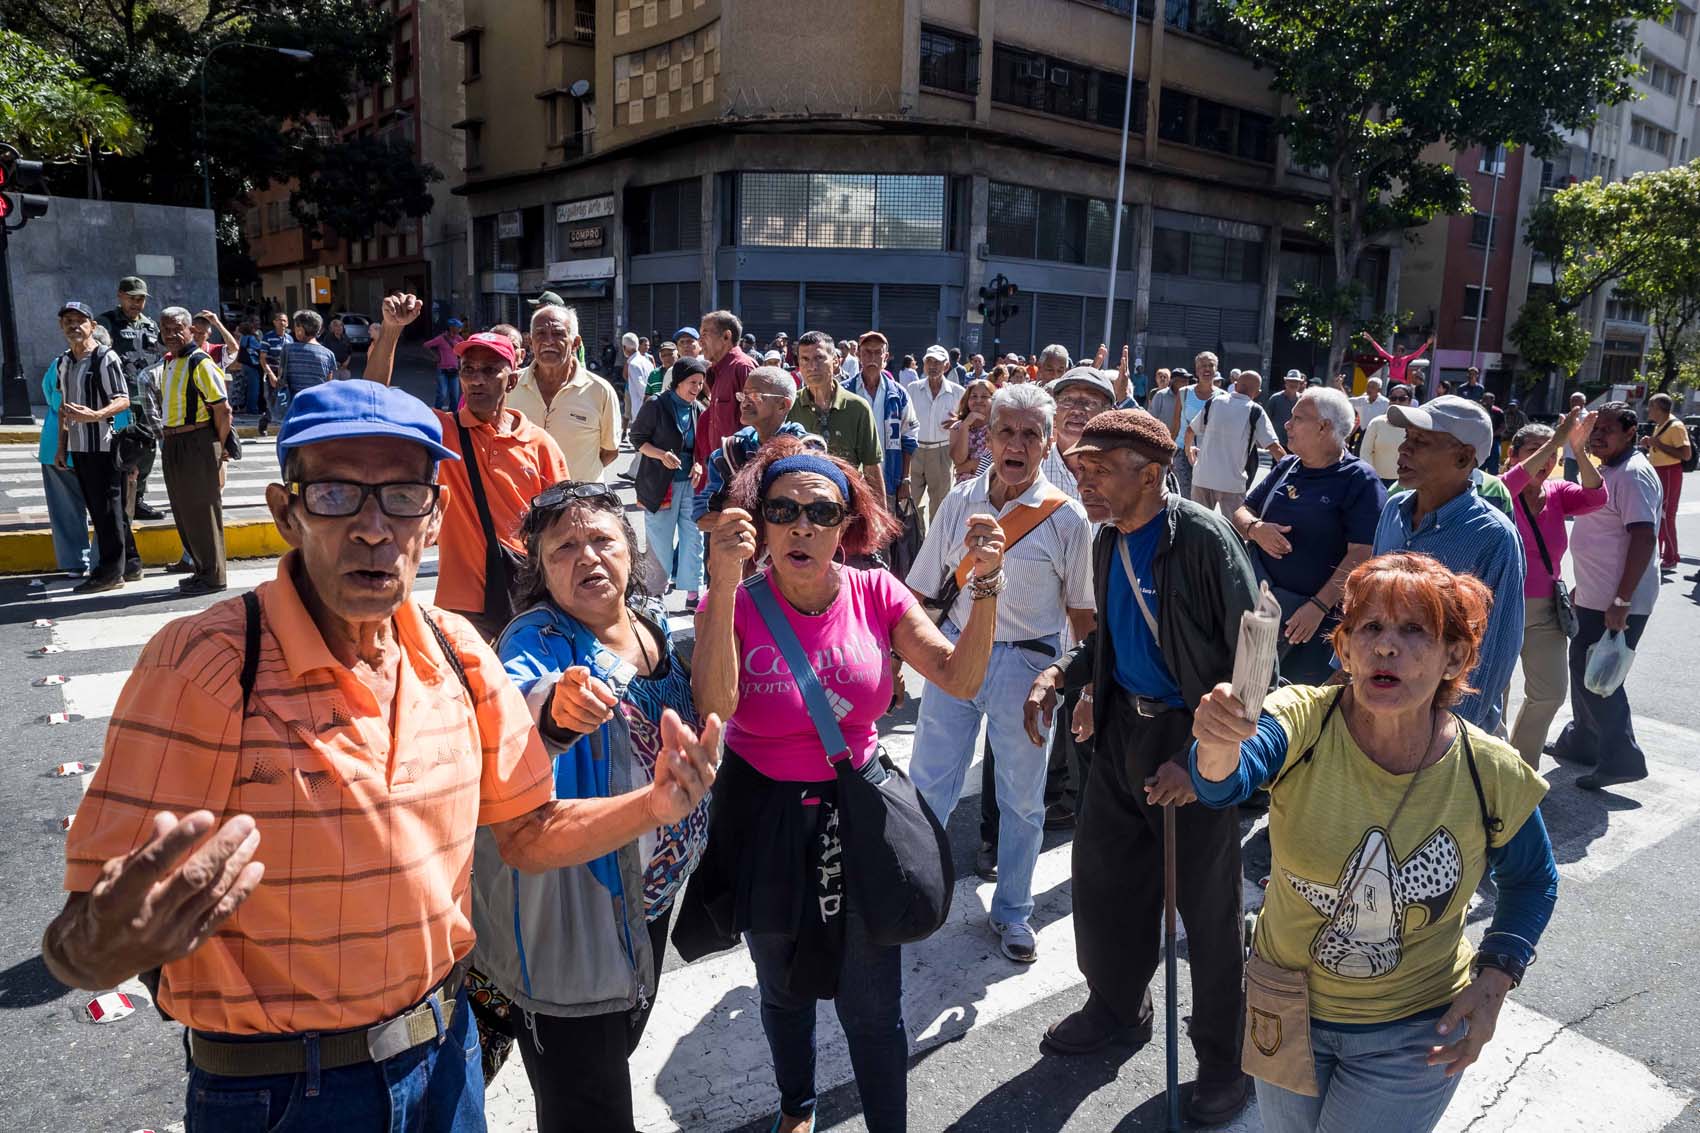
478 548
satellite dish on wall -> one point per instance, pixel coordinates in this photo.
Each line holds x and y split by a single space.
580 88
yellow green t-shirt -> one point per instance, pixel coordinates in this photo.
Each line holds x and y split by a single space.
1673 433
1398 948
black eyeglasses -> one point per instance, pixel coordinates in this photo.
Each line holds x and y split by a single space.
821 513
558 494
398 499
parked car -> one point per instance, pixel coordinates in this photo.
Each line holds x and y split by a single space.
358 328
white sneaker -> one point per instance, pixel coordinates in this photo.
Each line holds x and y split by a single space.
1016 940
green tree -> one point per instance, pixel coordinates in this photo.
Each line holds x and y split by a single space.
55 113
1637 236
361 184
1371 88
266 111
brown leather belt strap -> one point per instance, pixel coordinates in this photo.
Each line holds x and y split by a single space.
344 1048
179 430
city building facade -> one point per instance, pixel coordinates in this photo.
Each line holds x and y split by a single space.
653 159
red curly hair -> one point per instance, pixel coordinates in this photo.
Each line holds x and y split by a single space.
1453 607
869 526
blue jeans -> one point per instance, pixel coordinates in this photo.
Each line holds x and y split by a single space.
674 537
259 393
437 1087
448 390
68 517
870 1008
1376 1080
945 733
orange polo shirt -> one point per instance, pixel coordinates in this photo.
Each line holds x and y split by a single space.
516 463
365 829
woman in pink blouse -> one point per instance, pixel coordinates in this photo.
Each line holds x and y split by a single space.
1541 507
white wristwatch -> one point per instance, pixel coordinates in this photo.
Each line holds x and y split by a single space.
1616 602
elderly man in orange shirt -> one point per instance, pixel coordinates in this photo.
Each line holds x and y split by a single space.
480 547
331 747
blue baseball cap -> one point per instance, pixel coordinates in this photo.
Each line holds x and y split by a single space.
687 332
453 322
352 408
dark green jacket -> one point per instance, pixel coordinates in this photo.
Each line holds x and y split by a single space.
1204 583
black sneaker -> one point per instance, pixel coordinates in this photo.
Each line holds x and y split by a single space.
1600 780
133 575
183 565
98 585
986 862
1091 1029
145 510
195 587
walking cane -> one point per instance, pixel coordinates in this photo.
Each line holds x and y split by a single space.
1171 1028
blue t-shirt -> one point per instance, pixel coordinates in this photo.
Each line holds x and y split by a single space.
305 365
1327 508
1140 668
252 347
273 343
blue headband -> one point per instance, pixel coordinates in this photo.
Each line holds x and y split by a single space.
805 462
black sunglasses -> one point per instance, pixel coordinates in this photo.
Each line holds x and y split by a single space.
400 499
558 494
821 513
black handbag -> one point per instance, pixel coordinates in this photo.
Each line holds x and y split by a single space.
1564 609
898 872
501 562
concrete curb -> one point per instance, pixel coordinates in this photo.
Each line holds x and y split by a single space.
31 552
31 434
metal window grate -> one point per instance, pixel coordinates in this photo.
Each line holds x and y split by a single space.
842 207
773 210
841 210
909 213
843 310
1012 219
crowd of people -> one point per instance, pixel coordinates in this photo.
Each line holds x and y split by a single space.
366 846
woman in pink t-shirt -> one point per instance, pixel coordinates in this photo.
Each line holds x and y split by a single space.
772 871
1540 509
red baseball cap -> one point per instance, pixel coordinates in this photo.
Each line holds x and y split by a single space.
500 343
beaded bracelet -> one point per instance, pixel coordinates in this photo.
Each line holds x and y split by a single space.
988 587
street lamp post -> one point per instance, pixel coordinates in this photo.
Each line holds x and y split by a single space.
1487 253
297 53
1121 178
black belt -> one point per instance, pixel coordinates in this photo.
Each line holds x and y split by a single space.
1045 645
343 1048
1146 706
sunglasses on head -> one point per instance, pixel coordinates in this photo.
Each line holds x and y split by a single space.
559 494
821 513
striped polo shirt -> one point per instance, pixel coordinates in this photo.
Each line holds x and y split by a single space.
93 380
174 382
365 833
1468 535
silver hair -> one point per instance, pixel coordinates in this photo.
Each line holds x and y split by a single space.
568 313
176 315
1333 407
777 381
1024 396
1376 380
1054 350
1210 354
1531 437
311 319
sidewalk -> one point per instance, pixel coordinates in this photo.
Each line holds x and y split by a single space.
26 543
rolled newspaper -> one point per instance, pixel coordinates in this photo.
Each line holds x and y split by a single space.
1254 656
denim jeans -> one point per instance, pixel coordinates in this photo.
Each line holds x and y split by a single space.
69 519
945 732
259 394
1376 1080
436 1087
448 390
870 1008
673 535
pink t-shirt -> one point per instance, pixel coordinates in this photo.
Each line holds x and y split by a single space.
850 648
1561 500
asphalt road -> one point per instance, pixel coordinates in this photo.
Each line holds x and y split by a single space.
1600 1037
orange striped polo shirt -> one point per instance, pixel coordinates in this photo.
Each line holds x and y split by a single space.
365 830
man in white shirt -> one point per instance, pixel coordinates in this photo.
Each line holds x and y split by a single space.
637 366
934 399
1049 590
1220 441
1382 439
1370 404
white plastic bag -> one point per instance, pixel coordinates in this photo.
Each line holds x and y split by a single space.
1609 659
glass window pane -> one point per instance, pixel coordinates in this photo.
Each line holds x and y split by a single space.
910 213
1168 252
1012 220
841 210
1099 222
1172 113
1209 256
1050 226
1215 126
774 210
1257 141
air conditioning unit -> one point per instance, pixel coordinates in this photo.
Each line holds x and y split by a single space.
1060 76
1033 69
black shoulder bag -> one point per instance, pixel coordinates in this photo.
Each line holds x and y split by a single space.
1563 606
141 436
501 563
898 872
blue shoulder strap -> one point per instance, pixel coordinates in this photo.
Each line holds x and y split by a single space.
814 696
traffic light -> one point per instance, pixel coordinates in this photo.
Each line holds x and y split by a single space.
997 300
17 180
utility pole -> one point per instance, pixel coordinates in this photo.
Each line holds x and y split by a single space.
18 206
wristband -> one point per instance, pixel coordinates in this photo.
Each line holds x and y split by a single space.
1510 965
1315 601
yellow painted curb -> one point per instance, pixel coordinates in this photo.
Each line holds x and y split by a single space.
31 434
31 552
